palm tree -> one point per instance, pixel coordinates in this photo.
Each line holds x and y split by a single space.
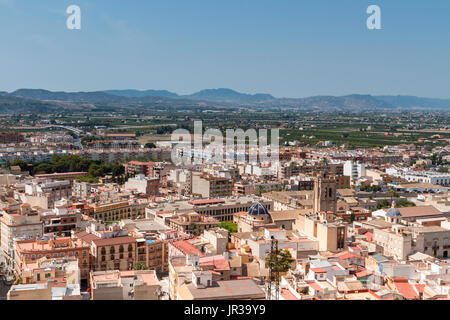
391 193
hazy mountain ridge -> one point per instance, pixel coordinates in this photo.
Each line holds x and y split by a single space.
413 101
41 100
131 93
96 97
14 104
230 96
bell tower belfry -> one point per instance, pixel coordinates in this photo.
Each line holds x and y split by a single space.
325 194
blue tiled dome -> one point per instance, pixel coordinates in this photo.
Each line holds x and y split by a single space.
393 212
258 209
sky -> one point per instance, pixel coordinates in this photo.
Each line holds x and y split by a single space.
288 48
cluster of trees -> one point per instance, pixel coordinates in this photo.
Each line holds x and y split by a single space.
150 145
196 229
230 226
384 204
140 266
165 130
74 163
436 159
368 188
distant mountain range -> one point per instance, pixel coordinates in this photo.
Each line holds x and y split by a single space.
143 93
212 95
39 100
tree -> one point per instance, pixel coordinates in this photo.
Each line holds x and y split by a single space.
140 266
260 190
150 145
88 179
44 168
279 261
230 226
196 229
21 163
383 204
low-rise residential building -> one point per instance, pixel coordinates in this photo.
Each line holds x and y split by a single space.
143 184
192 222
124 285
30 251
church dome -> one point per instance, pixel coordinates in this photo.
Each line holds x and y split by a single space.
393 212
258 209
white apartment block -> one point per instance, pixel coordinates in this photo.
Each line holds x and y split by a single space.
435 178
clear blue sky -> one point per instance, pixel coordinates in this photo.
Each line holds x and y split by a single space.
289 48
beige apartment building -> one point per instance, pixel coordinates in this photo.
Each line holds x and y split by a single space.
110 249
44 194
401 241
153 253
143 184
49 290
220 209
208 186
180 270
28 252
186 222
7 179
124 285
23 223
48 279
327 229
118 210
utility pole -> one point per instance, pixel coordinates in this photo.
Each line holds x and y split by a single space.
274 273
